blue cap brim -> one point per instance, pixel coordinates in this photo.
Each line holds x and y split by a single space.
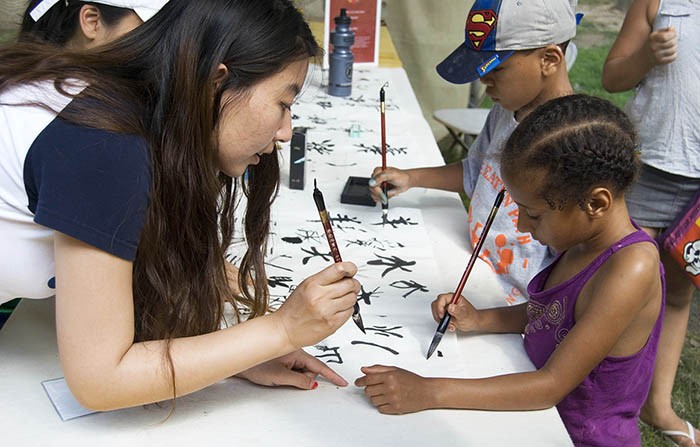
466 65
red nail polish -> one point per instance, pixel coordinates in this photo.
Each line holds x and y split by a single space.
314 386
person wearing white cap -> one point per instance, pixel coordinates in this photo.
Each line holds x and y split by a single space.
122 171
80 24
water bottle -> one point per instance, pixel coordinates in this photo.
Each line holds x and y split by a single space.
341 59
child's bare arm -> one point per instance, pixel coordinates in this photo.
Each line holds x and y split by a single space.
620 306
638 48
446 178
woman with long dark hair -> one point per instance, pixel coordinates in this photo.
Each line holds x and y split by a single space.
122 166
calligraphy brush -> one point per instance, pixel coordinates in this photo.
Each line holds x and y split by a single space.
321 206
475 253
382 113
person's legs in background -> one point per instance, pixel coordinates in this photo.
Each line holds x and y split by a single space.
658 410
655 201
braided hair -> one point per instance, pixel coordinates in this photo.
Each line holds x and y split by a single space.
580 142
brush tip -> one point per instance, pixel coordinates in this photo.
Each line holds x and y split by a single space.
358 321
434 344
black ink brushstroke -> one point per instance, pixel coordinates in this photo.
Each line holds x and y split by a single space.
278 281
269 263
393 263
385 331
395 222
315 254
334 354
377 150
365 295
359 342
308 235
324 147
341 165
411 285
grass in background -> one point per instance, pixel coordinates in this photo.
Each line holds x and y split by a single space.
586 74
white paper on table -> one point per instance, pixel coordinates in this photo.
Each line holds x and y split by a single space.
398 274
63 400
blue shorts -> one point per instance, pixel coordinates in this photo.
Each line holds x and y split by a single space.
658 197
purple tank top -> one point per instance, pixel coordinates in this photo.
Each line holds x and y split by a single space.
603 409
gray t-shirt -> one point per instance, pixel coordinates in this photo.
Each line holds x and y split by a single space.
515 257
666 104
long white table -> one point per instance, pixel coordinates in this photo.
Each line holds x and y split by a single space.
237 412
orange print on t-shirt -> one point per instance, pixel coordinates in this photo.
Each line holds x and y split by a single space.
505 255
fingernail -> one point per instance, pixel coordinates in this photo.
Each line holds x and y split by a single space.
314 386
372 182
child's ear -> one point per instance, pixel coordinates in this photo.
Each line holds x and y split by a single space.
598 203
552 59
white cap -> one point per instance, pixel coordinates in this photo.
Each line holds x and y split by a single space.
145 9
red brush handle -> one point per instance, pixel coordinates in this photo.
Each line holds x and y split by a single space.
477 248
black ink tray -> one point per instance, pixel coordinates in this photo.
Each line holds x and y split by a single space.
356 192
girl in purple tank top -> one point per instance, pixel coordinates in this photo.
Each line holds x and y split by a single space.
592 324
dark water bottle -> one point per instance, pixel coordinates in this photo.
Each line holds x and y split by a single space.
341 59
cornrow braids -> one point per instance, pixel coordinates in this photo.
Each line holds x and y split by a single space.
581 142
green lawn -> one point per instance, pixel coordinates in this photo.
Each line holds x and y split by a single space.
586 72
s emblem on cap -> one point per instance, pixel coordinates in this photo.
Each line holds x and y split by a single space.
479 26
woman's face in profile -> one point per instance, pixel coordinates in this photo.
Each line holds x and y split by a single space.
250 126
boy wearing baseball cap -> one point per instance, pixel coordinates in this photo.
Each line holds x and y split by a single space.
80 25
516 49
